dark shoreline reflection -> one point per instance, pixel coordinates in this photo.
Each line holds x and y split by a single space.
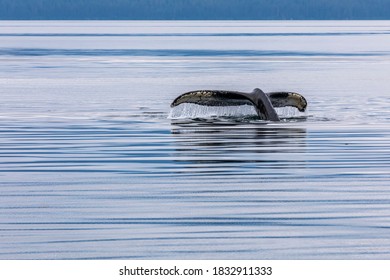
224 147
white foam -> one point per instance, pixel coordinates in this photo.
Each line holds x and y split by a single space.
190 111
185 111
289 112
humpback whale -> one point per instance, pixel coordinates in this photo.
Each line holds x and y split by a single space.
264 103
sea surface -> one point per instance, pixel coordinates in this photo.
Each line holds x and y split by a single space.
94 164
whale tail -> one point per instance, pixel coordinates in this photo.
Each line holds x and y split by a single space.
264 103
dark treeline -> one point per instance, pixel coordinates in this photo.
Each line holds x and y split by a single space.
194 9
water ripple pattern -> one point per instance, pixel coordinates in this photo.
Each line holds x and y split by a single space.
95 165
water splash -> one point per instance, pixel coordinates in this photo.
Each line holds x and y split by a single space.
290 113
192 111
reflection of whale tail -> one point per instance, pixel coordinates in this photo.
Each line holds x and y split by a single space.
264 103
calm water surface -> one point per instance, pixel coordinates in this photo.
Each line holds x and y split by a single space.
95 165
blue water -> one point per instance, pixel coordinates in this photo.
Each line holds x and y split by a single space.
95 165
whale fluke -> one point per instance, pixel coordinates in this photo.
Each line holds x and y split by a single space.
264 103
288 99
